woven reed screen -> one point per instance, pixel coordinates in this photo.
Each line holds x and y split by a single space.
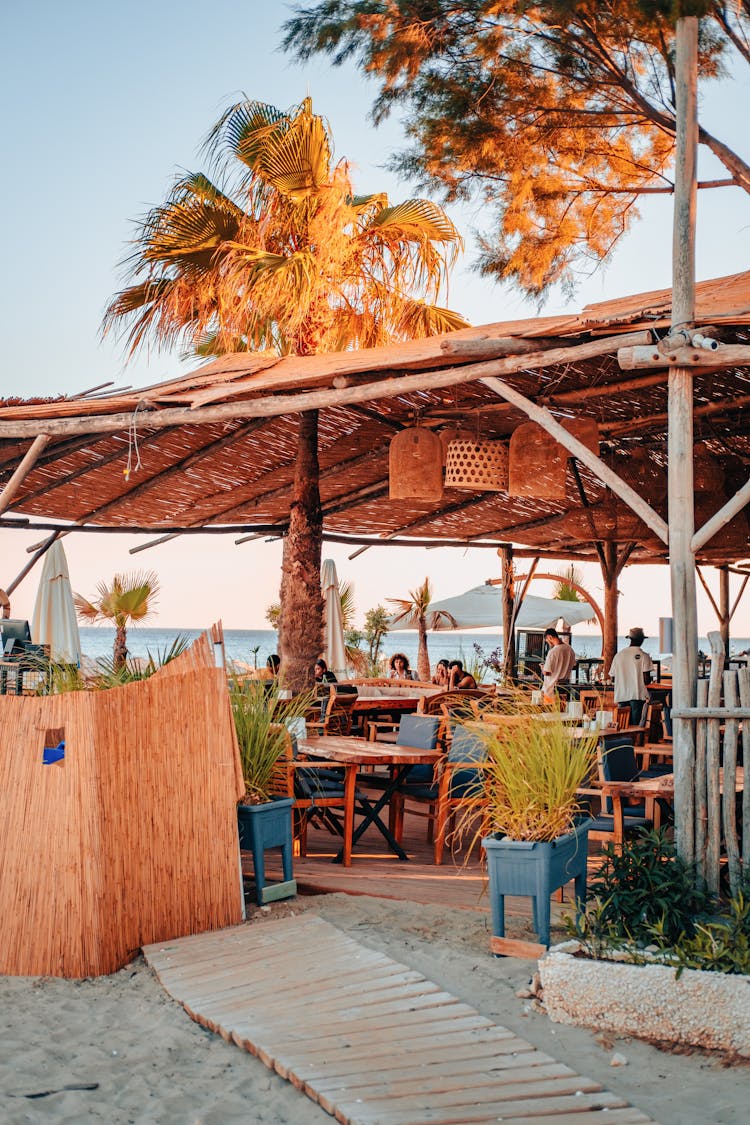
132 838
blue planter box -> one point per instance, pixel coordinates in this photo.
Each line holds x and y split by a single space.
268 826
535 870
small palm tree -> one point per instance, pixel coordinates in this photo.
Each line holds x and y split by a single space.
415 610
565 589
130 597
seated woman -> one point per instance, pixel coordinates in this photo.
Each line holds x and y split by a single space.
323 675
442 674
399 665
458 679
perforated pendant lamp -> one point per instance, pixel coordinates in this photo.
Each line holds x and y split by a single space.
415 465
476 465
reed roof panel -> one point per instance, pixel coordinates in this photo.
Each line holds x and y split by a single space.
217 446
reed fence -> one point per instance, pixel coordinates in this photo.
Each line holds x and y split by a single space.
129 839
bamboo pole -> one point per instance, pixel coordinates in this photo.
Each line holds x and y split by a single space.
680 436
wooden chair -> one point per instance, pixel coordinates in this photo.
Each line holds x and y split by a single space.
459 785
336 717
319 788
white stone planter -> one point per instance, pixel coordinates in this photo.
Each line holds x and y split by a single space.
710 1010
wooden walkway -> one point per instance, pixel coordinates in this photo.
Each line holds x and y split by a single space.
368 1039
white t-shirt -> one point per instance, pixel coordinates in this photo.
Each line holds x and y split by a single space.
560 660
628 668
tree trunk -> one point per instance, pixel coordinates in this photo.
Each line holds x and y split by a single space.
301 622
423 658
120 652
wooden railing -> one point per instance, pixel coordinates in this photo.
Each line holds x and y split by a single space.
721 718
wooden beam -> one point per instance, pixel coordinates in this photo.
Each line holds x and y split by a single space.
27 464
726 513
603 472
649 421
726 355
604 390
488 347
277 405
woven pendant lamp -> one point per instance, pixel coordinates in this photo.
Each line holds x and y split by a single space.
415 465
478 466
537 464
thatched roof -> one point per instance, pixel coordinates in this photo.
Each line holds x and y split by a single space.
216 447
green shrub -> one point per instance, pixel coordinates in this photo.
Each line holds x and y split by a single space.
646 899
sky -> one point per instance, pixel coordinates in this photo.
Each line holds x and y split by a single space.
103 105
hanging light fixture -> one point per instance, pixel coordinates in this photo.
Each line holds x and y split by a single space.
476 465
415 465
537 464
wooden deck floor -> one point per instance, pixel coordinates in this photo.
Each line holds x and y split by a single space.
458 883
335 1023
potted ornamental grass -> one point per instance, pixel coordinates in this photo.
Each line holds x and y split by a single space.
537 831
263 719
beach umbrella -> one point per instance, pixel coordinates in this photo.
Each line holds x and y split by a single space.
54 620
334 649
482 608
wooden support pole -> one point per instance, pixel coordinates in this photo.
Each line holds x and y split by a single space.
680 435
724 613
508 595
27 464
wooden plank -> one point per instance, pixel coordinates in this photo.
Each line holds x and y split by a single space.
513 947
254 986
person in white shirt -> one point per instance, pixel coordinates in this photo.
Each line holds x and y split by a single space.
558 665
631 670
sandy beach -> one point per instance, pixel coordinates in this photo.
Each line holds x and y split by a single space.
117 1048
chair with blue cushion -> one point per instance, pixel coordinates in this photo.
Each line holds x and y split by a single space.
419 732
459 785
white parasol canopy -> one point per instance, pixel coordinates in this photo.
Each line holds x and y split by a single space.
54 620
334 649
482 607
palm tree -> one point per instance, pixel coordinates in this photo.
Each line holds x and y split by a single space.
277 252
415 610
129 598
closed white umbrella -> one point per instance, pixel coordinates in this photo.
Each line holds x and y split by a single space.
54 620
333 620
482 607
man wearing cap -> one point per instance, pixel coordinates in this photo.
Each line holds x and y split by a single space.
631 670
559 663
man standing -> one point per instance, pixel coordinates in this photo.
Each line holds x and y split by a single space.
559 663
631 670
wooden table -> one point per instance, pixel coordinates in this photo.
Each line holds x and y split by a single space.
651 790
356 752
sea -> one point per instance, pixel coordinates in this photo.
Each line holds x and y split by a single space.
252 646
